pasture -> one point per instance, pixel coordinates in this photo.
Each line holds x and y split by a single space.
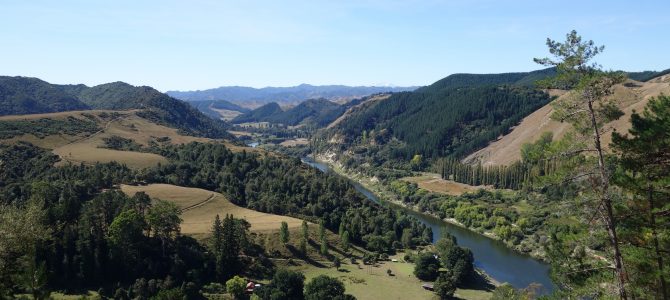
200 207
433 183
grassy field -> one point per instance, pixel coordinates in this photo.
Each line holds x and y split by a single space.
433 183
373 282
294 142
199 208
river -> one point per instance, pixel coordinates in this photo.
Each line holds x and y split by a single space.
492 256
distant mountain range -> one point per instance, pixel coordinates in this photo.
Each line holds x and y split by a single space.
284 96
26 95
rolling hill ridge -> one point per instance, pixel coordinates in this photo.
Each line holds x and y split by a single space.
23 95
284 96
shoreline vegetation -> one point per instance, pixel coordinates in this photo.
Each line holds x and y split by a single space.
382 193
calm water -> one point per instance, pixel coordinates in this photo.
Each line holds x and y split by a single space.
492 256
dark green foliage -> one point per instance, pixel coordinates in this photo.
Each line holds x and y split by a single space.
315 113
45 127
285 284
472 80
120 143
319 112
646 75
458 260
25 95
285 187
437 122
98 238
644 170
324 287
23 161
304 237
445 286
229 238
426 266
509 177
283 232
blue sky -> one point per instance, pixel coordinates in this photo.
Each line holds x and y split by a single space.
189 45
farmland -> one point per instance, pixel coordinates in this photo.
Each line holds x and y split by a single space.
199 208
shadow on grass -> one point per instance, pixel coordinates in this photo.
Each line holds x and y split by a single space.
297 253
479 283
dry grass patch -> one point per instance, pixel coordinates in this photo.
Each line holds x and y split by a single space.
225 114
89 153
200 207
48 142
294 142
507 149
126 124
433 183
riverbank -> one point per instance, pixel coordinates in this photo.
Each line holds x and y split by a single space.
387 196
491 255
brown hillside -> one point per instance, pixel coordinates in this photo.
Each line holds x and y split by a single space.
86 148
506 150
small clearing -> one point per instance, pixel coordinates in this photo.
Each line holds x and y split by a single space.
294 142
433 183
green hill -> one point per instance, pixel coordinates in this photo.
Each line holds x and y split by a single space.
317 112
23 95
471 80
452 117
26 95
156 106
260 114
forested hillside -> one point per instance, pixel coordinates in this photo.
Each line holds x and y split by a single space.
436 122
258 114
646 75
470 80
26 95
155 106
318 112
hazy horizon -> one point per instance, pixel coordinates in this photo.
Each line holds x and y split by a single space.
172 45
